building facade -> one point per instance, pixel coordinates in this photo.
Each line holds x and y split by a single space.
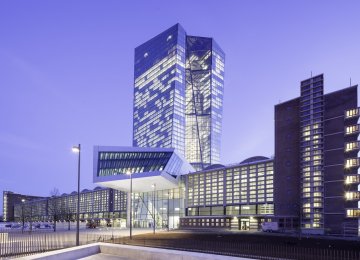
101 205
316 146
10 199
178 94
152 178
237 196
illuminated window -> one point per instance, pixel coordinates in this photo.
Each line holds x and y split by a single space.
352 179
351 146
352 129
352 113
354 195
353 162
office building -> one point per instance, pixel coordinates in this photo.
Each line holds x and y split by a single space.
178 94
316 159
101 205
238 196
10 199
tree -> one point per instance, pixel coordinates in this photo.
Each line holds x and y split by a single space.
19 214
54 206
29 214
24 213
66 214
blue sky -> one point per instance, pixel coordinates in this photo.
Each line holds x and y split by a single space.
66 74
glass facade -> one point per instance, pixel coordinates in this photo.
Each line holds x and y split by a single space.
166 207
159 91
204 96
312 152
115 163
178 93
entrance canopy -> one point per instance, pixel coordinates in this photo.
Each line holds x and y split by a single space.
147 166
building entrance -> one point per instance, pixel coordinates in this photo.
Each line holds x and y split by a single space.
244 224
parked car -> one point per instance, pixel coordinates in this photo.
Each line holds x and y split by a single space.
46 226
91 225
16 226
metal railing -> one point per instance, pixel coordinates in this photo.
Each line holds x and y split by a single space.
18 245
250 250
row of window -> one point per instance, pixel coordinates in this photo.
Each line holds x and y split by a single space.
352 113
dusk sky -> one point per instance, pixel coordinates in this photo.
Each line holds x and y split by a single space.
66 74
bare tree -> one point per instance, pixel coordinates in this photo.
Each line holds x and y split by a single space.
20 214
54 206
24 213
29 214
67 215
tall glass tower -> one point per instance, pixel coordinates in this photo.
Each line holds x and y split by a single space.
179 83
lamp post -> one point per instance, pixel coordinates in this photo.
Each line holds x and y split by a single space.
129 173
154 186
22 215
168 208
77 149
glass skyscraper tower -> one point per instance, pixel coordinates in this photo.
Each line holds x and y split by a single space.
178 95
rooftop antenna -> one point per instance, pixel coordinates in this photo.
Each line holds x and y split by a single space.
350 81
311 74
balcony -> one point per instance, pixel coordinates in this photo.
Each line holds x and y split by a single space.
352 129
352 195
352 113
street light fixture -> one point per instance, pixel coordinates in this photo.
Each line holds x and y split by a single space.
22 215
129 173
168 210
77 149
154 187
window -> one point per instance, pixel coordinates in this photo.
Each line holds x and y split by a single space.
352 195
351 129
352 179
351 146
352 113
351 162
353 213
248 209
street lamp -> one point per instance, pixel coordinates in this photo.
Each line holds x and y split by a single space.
154 187
129 173
22 215
168 208
77 149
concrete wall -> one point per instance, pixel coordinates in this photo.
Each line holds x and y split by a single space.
129 252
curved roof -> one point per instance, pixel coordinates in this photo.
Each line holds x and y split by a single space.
255 159
214 166
73 193
98 188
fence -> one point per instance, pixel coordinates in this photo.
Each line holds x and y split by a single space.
250 250
16 245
